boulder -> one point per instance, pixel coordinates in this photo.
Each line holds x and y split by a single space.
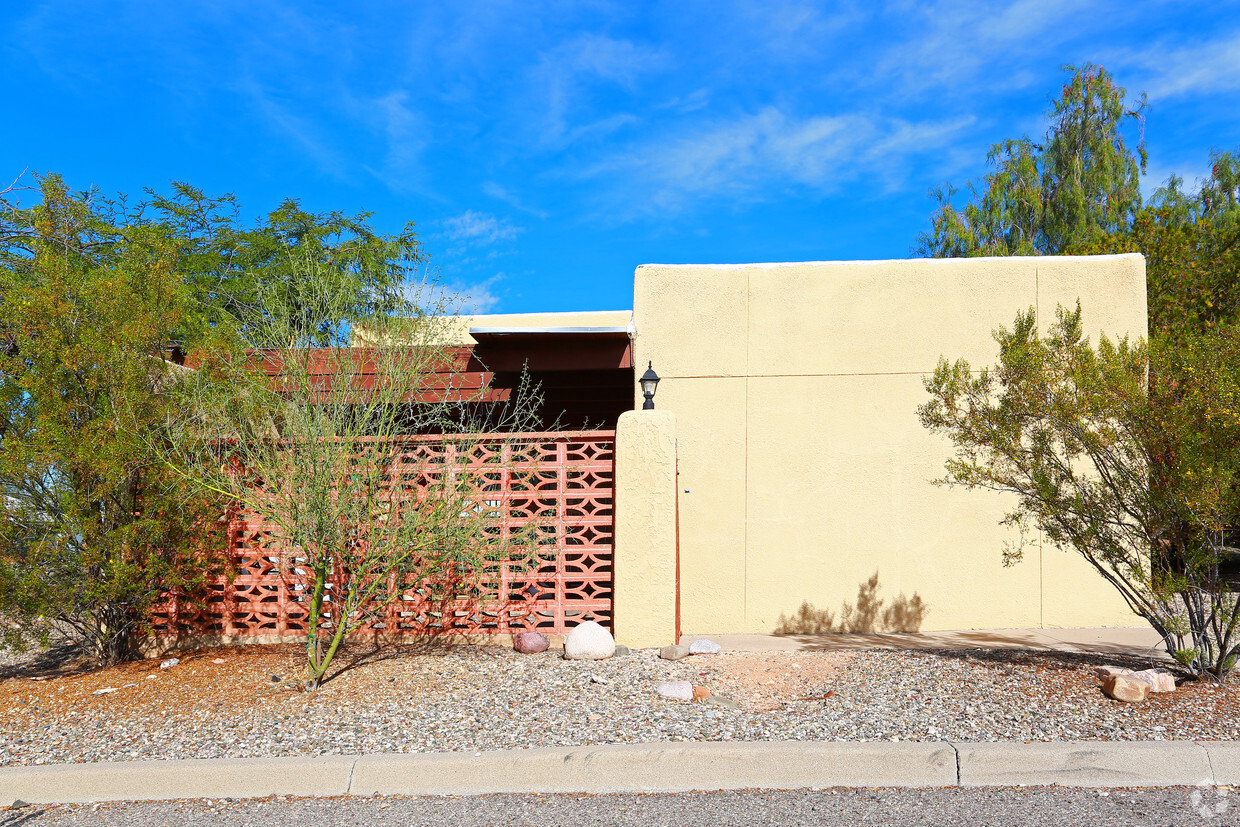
674 652
1160 680
1104 672
589 641
530 643
1125 688
704 647
677 690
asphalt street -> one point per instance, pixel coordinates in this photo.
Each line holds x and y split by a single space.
1042 806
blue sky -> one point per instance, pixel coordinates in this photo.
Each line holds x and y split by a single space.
546 149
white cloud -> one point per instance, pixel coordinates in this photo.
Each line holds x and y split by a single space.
769 149
1200 68
447 296
479 228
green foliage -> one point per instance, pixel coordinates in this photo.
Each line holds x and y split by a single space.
1191 243
1139 480
321 441
234 271
93 528
1080 183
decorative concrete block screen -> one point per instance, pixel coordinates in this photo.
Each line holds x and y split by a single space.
561 484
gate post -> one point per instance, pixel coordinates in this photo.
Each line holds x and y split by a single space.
644 566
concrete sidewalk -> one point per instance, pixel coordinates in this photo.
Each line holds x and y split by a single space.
1140 641
661 767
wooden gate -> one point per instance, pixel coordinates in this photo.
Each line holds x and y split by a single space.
560 485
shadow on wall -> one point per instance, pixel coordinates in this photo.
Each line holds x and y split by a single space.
905 614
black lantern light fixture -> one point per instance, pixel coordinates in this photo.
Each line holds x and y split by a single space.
649 381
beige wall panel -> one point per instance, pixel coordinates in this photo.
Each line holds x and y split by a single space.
1111 290
839 488
690 321
710 436
1076 595
882 316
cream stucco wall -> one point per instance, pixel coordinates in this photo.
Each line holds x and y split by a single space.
644 577
804 471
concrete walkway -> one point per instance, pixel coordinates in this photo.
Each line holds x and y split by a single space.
662 767
1141 641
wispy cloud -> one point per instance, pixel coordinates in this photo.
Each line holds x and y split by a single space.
479 228
450 296
769 150
1198 69
502 193
560 82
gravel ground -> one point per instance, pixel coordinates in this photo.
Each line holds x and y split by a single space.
464 698
1043 807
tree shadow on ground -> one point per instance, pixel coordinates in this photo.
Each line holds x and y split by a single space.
867 616
64 658
368 650
1002 658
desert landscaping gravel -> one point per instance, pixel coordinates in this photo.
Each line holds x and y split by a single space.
485 698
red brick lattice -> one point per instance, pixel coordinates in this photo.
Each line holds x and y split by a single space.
560 484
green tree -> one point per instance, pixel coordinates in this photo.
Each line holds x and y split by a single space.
1079 183
232 268
94 529
1143 490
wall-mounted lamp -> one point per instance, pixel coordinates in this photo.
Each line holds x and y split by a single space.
649 381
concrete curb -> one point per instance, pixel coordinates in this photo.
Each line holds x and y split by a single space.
660 767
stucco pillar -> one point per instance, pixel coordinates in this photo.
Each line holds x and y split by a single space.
644 563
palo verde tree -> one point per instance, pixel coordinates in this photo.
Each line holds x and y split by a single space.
329 444
1143 491
94 528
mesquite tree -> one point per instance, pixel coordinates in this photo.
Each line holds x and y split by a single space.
93 527
1140 482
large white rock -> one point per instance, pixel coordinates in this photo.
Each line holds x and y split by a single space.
589 641
702 646
1160 680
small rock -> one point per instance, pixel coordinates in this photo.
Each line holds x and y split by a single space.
151 677
106 691
704 647
678 690
218 660
169 663
276 679
1160 680
589 641
700 693
1124 688
18 804
621 651
1104 672
599 681
720 701
530 643
674 652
